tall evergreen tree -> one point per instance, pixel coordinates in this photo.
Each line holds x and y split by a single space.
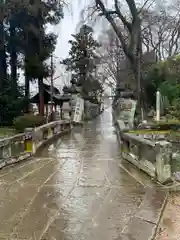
37 44
23 39
83 59
3 63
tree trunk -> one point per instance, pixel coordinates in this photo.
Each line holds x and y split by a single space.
41 96
140 85
118 83
3 64
27 86
13 62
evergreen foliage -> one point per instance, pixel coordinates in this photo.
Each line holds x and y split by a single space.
83 61
24 45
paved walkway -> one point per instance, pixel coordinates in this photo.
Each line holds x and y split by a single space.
78 189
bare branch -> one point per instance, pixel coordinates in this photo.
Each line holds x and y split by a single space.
161 30
111 54
132 8
123 19
111 20
144 6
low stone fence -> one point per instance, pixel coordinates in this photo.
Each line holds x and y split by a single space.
21 146
153 157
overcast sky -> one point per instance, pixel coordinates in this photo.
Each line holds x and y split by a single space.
66 28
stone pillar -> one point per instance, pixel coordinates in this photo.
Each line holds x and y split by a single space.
6 154
163 161
50 133
29 142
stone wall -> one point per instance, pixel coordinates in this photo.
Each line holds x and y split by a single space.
153 157
21 146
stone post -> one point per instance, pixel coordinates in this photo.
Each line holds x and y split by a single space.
29 140
6 153
163 161
50 133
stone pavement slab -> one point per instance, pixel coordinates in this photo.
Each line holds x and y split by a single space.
144 223
138 229
152 205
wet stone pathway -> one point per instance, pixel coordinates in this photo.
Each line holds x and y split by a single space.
76 189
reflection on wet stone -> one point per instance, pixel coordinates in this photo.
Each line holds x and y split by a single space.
73 190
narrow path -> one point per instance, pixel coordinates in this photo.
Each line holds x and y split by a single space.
76 189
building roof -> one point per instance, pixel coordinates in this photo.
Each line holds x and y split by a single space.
57 97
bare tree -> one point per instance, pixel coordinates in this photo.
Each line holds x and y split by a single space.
146 27
161 29
131 25
130 37
111 54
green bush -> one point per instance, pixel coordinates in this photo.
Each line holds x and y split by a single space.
28 121
174 110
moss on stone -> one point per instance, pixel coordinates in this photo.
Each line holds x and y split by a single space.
6 131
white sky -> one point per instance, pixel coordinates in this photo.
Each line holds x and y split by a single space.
66 28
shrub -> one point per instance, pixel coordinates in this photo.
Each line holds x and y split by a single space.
174 110
28 121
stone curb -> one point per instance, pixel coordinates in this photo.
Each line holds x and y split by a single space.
160 215
174 187
143 225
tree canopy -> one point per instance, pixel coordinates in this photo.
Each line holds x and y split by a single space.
165 77
25 45
83 60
